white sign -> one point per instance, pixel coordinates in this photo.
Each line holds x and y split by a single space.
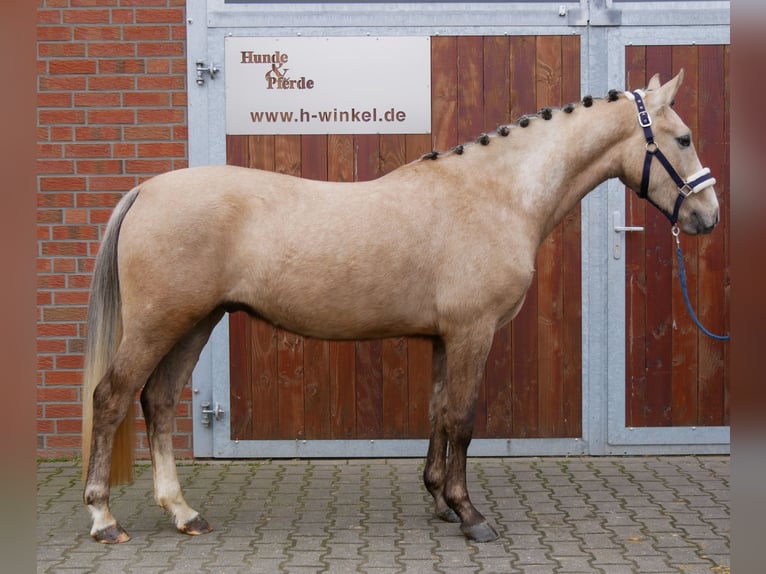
338 85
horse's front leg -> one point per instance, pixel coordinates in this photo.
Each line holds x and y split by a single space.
466 357
435 473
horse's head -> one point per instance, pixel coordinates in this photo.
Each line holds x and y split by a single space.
662 163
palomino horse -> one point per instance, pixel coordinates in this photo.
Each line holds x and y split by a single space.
443 247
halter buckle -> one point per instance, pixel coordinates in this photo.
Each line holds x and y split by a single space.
686 190
644 119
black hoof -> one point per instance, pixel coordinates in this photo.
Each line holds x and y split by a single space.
111 535
481 532
196 526
448 515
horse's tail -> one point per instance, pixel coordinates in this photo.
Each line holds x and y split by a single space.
103 337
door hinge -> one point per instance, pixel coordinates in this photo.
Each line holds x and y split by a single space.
217 412
203 69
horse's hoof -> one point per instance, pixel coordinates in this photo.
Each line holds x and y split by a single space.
196 526
111 535
481 532
448 515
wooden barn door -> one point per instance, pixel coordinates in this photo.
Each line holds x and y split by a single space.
288 387
674 396
677 376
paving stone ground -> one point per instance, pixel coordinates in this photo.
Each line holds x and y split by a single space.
554 515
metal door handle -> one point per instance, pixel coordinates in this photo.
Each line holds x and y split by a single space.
619 229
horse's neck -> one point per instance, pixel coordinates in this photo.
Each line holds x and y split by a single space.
554 163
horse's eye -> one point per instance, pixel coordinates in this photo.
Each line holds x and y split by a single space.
684 141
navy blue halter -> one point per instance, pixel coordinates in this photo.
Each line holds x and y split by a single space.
695 183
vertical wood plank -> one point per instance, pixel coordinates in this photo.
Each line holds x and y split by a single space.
685 336
571 268
525 419
394 350
240 358
635 270
265 376
287 159
659 262
340 167
550 290
369 376
418 348
444 82
711 145
316 353
498 372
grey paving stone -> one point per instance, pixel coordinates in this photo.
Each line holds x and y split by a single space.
579 514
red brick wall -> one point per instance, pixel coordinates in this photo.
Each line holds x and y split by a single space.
111 113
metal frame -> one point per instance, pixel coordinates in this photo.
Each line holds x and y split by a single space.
605 27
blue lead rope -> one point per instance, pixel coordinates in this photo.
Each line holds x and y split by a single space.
682 277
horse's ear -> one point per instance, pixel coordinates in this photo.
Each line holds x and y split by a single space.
665 95
654 83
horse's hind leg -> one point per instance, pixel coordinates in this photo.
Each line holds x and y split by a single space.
159 401
112 397
466 355
435 472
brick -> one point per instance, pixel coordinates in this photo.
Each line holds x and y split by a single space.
100 166
138 33
56 330
97 99
71 361
51 346
123 150
161 150
65 265
69 232
111 83
69 426
123 66
110 183
61 116
60 49
151 15
174 82
61 133
154 99
81 3
61 183
152 133
55 166
123 16
54 100
56 394
148 166
85 133
115 116
63 442
54 33
48 16
160 116
111 49
71 67
148 49
91 199
90 150
90 16
71 298
97 33
78 281
64 248
55 83
46 150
